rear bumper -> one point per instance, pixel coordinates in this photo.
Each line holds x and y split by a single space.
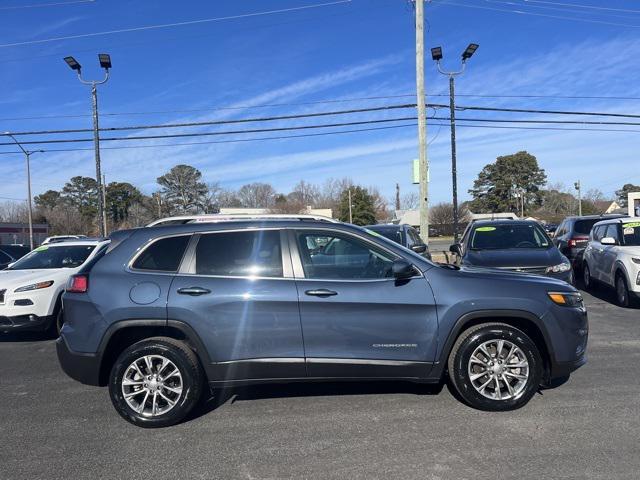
83 367
21 323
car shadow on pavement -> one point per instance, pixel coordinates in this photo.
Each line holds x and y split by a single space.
230 395
18 337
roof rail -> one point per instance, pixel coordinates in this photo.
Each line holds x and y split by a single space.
217 217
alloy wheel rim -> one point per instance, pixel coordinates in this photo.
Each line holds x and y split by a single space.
498 369
152 385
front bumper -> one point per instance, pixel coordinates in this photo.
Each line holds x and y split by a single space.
568 330
21 323
83 367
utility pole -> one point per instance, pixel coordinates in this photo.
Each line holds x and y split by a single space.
105 62
422 123
578 187
104 202
350 212
397 196
27 157
436 54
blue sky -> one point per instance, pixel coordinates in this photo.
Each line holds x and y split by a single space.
362 48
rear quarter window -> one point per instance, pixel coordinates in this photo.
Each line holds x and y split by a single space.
163 255
584 226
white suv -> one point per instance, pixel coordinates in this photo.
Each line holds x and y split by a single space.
30 288
613 257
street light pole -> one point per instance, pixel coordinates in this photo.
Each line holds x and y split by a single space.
105 62
436 54
578 187
27 156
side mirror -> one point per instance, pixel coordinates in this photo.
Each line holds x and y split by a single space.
419 248
608 241
402 269
456 248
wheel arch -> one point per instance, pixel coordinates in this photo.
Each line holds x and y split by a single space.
520 319
127 332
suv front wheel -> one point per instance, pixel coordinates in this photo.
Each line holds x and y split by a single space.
156 382
496 367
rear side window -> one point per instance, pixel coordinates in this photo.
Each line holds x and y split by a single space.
584 226
163 255
240 254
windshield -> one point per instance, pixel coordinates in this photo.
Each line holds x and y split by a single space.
509 236
631 234
46 257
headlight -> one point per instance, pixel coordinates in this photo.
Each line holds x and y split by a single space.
34 286
561 267
566 299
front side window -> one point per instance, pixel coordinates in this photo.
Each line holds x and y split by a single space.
598 232
240 254
163 255
507 236
612 232
47 257
342 257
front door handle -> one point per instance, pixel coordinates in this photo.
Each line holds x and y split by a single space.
193 291
321 292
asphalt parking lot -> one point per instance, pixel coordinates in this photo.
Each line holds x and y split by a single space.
55 428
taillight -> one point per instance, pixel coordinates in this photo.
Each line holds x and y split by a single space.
78 284
578 241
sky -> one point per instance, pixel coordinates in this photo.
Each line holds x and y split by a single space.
238 59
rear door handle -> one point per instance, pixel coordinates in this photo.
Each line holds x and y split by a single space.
193 291
321 292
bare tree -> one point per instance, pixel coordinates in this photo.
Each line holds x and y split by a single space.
257 195
410 201
13 212
380 205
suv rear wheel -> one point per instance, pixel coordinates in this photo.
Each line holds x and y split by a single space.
156 382
494 366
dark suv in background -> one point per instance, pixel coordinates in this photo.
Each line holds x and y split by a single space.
572 236
405 235
168 311
516 245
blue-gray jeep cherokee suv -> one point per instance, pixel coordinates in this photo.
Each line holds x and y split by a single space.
167 310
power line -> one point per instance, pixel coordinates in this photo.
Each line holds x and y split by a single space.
239 140
53 4
522 12
325 134
206 134
590 7
557 9
320 102
223 122
171 25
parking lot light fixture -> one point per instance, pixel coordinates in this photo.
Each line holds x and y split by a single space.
468 53
105 62
436 54
73 64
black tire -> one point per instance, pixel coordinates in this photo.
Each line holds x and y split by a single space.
587 280
460 356
186 362
622 291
